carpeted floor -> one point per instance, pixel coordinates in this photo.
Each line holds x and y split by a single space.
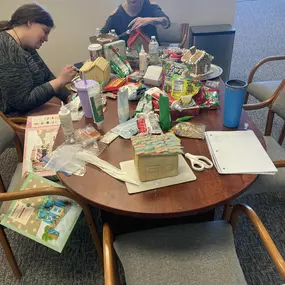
260 32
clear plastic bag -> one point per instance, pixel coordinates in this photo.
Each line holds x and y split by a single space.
126 130
64 158
190 130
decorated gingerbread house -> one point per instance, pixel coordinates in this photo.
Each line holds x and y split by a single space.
98 70
198 61
138 38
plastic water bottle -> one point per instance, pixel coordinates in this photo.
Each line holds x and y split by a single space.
98 32
154 51
123 105
113 33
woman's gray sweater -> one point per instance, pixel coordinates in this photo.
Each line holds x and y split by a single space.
24 78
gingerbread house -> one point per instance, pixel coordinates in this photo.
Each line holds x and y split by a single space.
138 38
156 156
98 70
198 61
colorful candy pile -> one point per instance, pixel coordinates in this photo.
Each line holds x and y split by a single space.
156 144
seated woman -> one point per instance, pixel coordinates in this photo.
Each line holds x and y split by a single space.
25 80
136 14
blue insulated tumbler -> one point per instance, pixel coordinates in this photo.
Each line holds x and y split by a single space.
234 100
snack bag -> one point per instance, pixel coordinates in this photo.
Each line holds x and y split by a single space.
179 87
193 88
190 130
148 123
144 105
120 65
114 85
170 69
211 98
135 91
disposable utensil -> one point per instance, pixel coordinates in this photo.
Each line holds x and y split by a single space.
124 34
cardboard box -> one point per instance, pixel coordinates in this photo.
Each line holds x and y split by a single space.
102 40
153 167
120 47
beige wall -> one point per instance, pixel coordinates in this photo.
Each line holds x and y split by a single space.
76 20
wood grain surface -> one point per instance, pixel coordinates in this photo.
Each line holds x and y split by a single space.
209 190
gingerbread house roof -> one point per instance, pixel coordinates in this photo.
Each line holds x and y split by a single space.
135 35
193 56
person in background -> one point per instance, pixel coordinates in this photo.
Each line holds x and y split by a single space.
25 80
137 14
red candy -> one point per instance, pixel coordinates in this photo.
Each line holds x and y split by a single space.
142 125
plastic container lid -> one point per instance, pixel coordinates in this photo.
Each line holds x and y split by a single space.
81 86
63 110
236 84
94 47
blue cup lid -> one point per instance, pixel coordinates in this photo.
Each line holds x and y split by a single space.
236 84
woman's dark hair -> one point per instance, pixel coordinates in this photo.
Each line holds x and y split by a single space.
28 13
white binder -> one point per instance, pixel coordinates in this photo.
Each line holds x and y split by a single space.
239 152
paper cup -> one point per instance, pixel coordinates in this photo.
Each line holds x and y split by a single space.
95 50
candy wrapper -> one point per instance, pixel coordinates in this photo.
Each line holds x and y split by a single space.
86 135
144 105
200 98
135 91
135 77
127 129
211 98
170 69
120 65
114 85
190 130
148 123
184 89
213 84
179 87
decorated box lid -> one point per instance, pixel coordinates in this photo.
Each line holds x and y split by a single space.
165 144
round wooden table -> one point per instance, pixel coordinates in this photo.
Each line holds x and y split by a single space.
208 191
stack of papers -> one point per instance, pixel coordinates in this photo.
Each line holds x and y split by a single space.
239 152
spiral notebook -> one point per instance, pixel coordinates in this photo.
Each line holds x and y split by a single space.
239 152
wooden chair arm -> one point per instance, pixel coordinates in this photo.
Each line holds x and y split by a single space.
111 274
279 163
18 120
12 122
269 101
37 192
262 232
56 191
261 62
261 105
185 33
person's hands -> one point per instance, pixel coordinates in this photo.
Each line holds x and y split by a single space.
67 74
139 23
